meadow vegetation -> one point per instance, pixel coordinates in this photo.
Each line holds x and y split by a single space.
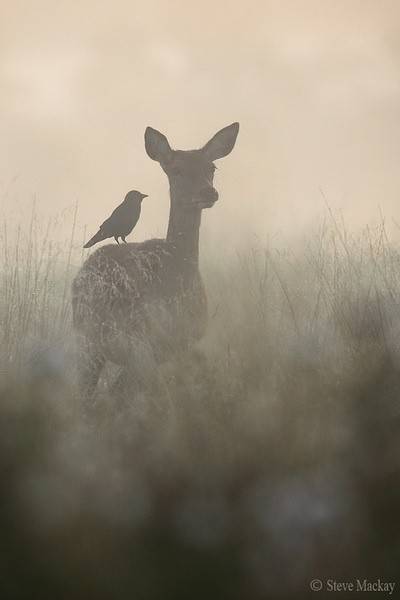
269 458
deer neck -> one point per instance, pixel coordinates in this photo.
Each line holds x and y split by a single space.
184 229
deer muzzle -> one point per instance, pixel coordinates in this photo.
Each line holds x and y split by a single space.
206 198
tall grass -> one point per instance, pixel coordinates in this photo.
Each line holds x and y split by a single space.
35 274
269 458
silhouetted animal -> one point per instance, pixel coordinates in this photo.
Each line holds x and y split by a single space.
147 300
122 220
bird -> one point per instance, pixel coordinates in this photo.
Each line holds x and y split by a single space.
122 220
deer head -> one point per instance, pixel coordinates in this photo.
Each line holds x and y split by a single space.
191 172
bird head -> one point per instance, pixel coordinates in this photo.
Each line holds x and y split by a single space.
135 196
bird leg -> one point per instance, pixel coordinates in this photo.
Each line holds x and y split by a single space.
116 238
123 239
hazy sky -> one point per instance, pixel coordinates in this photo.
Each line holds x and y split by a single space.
314 84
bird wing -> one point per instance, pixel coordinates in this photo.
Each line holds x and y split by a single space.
112 222
122 220
105 225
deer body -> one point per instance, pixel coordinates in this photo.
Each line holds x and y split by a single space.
148 298
128 296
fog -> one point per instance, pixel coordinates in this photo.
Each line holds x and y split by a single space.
266 454
314 84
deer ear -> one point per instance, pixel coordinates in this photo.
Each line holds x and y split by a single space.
222 143
157 145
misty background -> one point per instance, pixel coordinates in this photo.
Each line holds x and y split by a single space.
270 455
314 84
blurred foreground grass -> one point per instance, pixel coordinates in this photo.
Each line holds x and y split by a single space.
267 461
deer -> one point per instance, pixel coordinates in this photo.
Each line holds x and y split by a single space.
147 299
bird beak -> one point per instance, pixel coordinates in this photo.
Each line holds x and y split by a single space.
145 195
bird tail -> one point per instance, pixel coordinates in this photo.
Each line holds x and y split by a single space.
96 238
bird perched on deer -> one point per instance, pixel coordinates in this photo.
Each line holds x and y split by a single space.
122 220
